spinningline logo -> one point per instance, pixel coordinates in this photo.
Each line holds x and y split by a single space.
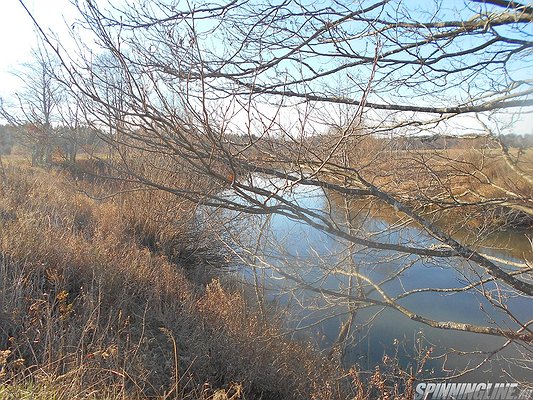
474 391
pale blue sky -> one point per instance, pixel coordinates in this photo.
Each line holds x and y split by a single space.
19 37
18 34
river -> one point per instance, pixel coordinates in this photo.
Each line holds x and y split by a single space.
292 261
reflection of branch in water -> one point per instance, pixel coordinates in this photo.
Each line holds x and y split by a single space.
390 302
489 355
317 268
473 285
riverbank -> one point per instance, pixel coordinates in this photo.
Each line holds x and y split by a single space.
108 298
477 188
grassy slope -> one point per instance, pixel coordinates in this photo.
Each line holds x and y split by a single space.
88 311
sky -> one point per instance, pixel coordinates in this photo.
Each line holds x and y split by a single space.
19 37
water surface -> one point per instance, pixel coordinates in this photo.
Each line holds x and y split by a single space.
294 260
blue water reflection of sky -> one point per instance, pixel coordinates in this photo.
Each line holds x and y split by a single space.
313 256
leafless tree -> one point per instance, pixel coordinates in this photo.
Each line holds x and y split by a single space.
243 94
38 103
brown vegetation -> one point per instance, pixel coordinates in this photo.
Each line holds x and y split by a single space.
470 181
93 306
202 100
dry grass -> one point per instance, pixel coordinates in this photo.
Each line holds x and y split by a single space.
95 302
472 184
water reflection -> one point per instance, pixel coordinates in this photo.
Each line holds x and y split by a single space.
292 254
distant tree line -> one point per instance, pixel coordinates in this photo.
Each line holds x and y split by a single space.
461 142
7 139
63 141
